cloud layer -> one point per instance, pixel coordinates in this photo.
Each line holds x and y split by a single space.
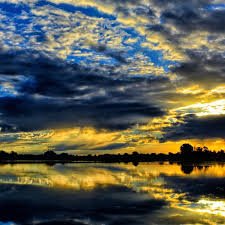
125 67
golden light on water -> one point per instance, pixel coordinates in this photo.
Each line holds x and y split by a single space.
211 206
149 180
89 176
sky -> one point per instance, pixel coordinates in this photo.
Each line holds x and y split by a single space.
101 76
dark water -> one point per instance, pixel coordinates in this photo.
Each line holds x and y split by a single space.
150 193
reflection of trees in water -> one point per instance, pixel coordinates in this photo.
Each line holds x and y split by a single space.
188 168
135 163
200 167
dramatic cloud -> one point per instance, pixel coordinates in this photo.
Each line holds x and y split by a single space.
205 69
57 94
194 127
112 65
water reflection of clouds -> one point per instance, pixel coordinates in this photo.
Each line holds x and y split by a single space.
7 223
114 204
109 192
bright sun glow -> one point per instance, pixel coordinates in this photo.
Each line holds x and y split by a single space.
205 109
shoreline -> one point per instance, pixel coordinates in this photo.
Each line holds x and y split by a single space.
104 162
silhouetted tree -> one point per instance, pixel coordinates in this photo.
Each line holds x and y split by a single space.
50 155
135 153
13 155
3 155
186 149
199 149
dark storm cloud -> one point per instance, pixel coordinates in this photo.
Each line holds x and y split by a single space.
54 77
194 127
207 69
34 114
59 94
65 147
113 146
193 16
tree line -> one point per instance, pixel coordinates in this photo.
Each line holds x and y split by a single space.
187 153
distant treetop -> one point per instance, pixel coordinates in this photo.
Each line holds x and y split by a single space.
186 149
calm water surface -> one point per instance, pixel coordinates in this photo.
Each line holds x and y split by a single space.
88 193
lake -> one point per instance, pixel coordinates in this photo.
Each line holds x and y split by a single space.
97 193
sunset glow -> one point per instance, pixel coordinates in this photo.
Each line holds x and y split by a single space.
95 76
